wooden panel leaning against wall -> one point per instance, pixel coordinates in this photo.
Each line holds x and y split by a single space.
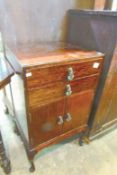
107 111
86 28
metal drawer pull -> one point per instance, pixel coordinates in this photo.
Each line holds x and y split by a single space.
70 74
68 90
68 117
60 120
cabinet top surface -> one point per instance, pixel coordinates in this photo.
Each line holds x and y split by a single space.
50 52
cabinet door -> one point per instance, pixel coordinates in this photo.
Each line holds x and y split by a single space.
47 122
77 110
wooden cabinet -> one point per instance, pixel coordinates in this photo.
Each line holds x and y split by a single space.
59 87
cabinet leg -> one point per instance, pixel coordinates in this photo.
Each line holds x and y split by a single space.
86 140
83 139
4 161
6 166
81 142
32 167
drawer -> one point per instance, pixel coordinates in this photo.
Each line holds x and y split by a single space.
54 91
36 77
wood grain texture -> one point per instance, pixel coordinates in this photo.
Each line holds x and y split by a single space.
44 120
49 53
44 70
46 87
78 106
50 92
42 76
61 137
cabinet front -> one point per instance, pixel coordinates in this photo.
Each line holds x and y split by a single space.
54 119
46 122
77 110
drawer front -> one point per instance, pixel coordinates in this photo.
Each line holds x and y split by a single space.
36 77
52 92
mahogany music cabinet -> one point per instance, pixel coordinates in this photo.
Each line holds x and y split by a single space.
54 91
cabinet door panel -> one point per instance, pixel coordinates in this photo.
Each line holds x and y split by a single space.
78 107
46 122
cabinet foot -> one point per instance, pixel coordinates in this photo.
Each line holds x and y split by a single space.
32 167
86 140
83 139
81 142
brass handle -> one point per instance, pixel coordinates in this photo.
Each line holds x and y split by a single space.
68 90
60 120
70 75
68 117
